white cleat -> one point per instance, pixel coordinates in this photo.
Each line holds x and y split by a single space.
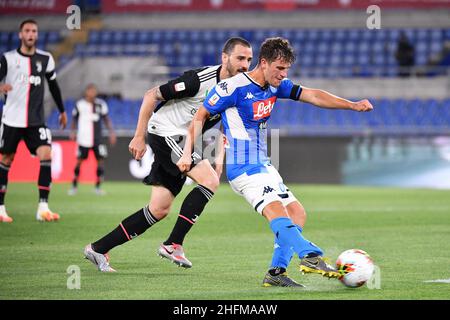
4 215
101 261
72 191
44 213
99 192
174 253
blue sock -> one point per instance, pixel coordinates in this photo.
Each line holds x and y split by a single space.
287 235
282 256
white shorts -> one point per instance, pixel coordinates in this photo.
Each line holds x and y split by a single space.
260 189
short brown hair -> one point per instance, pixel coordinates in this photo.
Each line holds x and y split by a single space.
232 42
27 21
276 48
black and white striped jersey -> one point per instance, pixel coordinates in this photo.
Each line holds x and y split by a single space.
89 120
24 104
183 97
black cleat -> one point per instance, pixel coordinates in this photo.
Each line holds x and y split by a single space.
280 279
318 265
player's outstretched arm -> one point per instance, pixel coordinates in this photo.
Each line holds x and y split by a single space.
137 145
195 129
323 99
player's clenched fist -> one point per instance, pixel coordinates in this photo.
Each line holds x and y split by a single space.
137 147
363 105
4 88
184 164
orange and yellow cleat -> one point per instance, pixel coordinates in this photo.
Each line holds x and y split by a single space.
5 219
47 216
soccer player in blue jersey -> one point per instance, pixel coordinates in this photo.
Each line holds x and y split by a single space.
245 103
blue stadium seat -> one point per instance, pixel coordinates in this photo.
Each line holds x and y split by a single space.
53 37
145 37
323 47
322 60
106 37
354 35
422 35
195 35
327 35
313 35
356 52
394 34
381 34
41 43
350 47
436 46
4 37
447 34
299 35
14 41
363 47
118 37
421 59
340 35
131 37
94 37
337 47
367 34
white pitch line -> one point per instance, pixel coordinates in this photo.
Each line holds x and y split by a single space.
438 281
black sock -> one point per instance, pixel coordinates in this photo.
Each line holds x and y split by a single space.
276 271
192 207
76 175
45 180
4 170
130 228
100 172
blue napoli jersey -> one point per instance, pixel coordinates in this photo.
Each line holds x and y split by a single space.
245 107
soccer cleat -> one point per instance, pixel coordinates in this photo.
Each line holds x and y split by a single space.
99 192
45 214
72 191
174 253
280 280
101 261
4 216
318 265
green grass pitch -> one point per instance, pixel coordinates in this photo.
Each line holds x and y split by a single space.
407 233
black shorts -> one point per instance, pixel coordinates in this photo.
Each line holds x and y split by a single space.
164 172
34 137
100 152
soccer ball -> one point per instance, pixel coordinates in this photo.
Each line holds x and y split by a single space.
355 266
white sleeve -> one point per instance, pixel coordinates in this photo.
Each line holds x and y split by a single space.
104 108
51 67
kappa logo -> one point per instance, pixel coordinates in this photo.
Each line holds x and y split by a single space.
249 96
267 189
223 86
262 109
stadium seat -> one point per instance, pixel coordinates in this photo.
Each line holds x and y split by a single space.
372 52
